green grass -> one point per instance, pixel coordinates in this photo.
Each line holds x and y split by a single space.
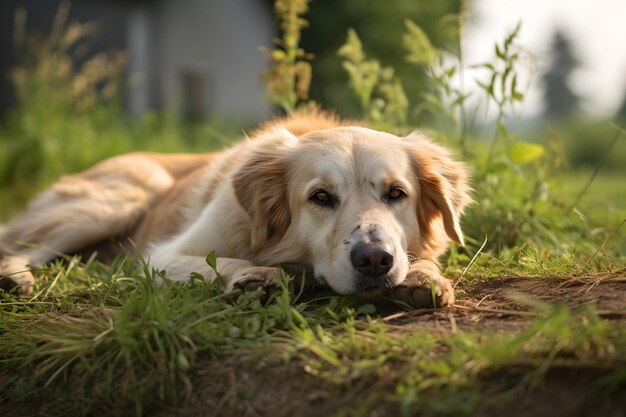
105 340
605 199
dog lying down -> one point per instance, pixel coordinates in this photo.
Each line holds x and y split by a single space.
368 211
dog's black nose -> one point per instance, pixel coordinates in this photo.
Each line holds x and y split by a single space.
371 259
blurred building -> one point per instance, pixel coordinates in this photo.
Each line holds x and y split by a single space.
198 56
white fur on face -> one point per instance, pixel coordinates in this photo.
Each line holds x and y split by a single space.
358 167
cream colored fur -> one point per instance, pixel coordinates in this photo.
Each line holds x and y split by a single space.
254 205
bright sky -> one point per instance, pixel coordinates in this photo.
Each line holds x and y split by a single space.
597 29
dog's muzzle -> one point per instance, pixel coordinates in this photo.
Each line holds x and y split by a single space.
373 262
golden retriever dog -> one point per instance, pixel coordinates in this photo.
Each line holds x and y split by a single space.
368 211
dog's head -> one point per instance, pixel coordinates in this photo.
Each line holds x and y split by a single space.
354 203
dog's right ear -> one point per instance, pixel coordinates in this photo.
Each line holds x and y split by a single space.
443 185
261 189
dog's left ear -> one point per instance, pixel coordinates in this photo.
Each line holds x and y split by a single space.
261 189
443 187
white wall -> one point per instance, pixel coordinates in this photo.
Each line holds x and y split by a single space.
218 39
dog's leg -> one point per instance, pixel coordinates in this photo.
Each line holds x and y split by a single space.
76 212
14 272
424 286
234 273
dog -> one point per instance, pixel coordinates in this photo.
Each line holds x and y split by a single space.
369 212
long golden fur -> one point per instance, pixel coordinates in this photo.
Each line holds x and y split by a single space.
370 212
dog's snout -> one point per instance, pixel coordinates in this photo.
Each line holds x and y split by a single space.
371 259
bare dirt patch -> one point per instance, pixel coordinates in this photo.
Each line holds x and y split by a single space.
497 304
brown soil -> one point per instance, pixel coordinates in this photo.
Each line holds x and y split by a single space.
231 387
498 304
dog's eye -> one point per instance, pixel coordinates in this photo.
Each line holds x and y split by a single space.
395 194
324 198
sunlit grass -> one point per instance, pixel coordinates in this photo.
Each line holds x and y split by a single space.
120 343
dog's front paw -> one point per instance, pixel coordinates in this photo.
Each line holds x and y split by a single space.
264 277
424 289
15 276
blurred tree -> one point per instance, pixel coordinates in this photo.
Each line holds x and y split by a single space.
559 99
380 25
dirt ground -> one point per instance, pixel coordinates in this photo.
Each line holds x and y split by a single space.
231 388
492 305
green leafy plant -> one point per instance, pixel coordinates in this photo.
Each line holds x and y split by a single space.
503 90
381 96
52 88
288 81
444 99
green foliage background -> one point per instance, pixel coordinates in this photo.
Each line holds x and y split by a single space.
381 27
